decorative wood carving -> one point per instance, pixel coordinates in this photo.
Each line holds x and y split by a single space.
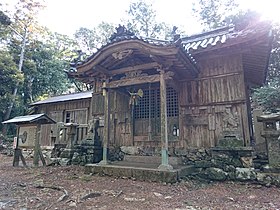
230 120
134 74
121 31
135 68
139 80
122 54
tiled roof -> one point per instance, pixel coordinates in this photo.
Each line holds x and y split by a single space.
66 97
223 36
155 42
207 39
195 43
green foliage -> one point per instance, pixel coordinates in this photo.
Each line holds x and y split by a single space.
10 76
142 21
4 19
216 13
243 18
274 62
45 57
213 13
269 95
90 40
43 71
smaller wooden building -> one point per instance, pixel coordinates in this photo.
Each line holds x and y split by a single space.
66 108
29 136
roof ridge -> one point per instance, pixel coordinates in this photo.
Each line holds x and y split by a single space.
47 100
224 29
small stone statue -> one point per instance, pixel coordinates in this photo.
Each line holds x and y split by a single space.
230 120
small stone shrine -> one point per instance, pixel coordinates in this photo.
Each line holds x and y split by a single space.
271 135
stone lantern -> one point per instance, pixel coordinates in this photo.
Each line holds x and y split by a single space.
71 132
271 135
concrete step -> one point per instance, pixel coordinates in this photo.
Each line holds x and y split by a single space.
156 160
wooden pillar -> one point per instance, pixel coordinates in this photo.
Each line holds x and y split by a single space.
150 115
37 146
163 116
106 125
16 152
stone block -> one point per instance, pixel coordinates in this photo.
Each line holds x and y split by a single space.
247 162
245 174
64 161
273 146
216 174
130 150
189 170
203 164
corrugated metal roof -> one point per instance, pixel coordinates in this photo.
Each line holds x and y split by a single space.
30 119
66 97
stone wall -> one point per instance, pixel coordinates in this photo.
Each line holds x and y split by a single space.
215 164
221 164
81 154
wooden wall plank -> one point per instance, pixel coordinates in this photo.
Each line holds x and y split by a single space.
220 86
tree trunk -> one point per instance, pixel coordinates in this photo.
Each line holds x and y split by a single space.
10 107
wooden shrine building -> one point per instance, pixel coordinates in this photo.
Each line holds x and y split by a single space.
185 93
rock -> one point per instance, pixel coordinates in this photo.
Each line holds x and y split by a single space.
90 195
73 204
229 168
260 177
76 159
180 152
219 163
264 179
64 161
216 174
247 162
157 194
134 199
236 162
231 175
203 164
245 174
129 150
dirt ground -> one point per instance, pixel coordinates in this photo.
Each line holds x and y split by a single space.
68 187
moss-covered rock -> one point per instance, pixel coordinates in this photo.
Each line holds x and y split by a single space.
245 174
215 174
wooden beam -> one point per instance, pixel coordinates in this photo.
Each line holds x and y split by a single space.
135 68
144 47
164 63
139 80
101 69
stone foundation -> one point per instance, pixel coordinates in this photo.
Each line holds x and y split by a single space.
217 164
80 154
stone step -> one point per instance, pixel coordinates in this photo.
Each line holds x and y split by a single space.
151 159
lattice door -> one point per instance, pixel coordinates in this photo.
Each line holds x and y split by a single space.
147 112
